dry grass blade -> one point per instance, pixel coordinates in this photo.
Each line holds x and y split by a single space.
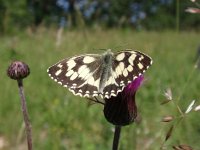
190 107
182 147
169 133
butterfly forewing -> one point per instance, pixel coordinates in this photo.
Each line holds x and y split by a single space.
83 75
79 74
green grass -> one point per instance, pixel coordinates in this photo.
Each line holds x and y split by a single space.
61 120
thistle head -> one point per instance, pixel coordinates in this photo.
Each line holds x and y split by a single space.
122 110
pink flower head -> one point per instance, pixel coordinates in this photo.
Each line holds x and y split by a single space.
133 86
122 110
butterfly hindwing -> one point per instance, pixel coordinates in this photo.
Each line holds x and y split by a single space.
127 66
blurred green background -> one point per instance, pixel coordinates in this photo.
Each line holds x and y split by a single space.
62 121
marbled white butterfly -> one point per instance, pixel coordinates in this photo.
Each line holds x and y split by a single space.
105 75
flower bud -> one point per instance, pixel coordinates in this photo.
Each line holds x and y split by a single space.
18 70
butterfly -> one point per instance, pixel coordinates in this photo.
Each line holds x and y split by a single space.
94 75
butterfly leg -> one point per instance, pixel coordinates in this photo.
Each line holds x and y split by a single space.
96 100
99 101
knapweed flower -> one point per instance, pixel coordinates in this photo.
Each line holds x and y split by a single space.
122 110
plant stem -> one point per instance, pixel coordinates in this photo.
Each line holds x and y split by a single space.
25 114
116 137
177 15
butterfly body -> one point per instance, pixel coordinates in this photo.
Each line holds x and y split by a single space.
103 75
105 72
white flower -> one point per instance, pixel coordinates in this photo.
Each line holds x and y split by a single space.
190 107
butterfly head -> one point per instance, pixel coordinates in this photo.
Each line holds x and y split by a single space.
108 52
107 56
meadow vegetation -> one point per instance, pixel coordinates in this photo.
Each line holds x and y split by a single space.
61 120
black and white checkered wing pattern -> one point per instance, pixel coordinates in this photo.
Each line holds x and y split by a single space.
126 66
100 75
79 74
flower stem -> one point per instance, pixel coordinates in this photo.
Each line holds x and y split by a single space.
116 137
25 114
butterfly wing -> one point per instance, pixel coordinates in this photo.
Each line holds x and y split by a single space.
82 74
127 66
79 74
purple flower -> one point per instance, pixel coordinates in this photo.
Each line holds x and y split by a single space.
122 110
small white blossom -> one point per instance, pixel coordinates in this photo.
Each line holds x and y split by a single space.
190 107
